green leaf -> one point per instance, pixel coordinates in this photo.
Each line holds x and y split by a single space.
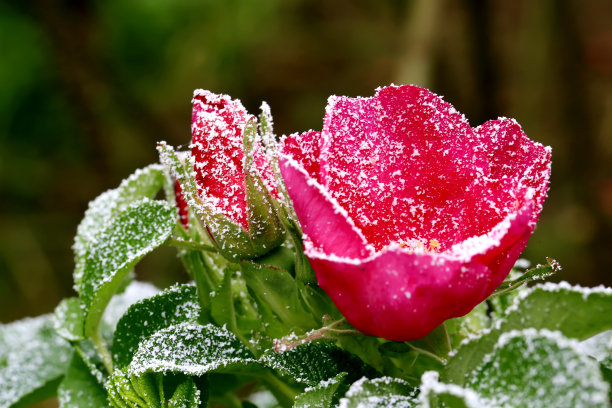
600 348
576 312
380 393
175 305
32 355
192 349
152 390
436 394
531 368
275 289
79 388
144 183
131 235
120 303
313 362
69 319
229 306
323 395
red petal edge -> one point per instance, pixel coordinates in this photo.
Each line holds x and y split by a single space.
325 224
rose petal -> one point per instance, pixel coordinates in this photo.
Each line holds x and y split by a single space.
324 223
402 164
181 203
520 168
398 295
305 149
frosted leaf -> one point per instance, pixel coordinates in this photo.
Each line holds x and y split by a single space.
120 303
79 388
436 394
599 347
69 319
31 356
133 233
380 393
313 362
175 305
152 390
574 311
192 349
323 395
531 368
144 183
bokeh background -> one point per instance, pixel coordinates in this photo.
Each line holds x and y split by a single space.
87 88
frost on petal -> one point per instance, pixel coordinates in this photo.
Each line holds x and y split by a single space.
218 124
305 149
325 224
181 203
401 296
447 209
402 163
519 168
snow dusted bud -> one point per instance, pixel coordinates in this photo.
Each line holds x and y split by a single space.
236 191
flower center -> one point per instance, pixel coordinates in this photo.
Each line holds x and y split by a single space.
420 246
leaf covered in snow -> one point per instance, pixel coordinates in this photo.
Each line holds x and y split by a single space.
144 183
576 312
132 234
379 393
531 368
80 388
175 305
33 358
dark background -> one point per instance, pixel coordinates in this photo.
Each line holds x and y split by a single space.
88 87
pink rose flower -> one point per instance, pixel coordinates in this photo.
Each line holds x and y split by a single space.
410 216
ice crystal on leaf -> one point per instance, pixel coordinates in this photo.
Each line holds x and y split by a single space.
411 216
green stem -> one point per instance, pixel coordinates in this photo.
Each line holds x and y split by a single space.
282 391
448 340
426 353
103 351
179 243
503 291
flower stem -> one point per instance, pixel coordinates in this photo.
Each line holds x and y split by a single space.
179 243
103 351
284 394
448 340
426 353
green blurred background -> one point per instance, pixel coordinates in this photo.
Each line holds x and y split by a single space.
88 87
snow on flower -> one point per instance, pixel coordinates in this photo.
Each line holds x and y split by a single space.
233 177
218 124
410 216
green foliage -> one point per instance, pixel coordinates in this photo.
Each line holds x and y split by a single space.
144 183
276 292
531 368
80 388
152 390
133 233
32 360
192 349
576 312
380 393
178 304
69 319
313 362
323 395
